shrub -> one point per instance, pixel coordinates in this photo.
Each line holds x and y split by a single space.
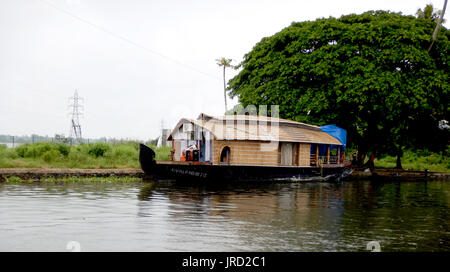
14 179
51 155
41 148
21 150
98 149
63 149
8 153
38 149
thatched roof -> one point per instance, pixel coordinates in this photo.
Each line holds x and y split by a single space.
258 128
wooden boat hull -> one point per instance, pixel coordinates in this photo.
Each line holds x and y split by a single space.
238 173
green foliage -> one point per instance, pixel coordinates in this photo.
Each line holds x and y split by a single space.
8 153
162 153
14 179
153 142
123 151
98 155
98 149
64 149
38 149
77 157
417 160
370 74
51 155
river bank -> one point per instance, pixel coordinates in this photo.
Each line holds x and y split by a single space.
74 174
126 155
383 174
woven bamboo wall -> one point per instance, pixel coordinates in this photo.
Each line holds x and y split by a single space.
252 152
304 153
247 152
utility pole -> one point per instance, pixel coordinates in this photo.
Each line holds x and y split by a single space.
76 107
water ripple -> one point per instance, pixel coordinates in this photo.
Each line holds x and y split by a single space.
240 217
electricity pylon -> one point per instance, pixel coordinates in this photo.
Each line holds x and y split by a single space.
76 107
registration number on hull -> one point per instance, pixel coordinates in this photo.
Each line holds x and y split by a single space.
189 172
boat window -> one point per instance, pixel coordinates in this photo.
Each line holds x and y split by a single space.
225 155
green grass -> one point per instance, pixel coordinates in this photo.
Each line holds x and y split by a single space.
96 155
418 160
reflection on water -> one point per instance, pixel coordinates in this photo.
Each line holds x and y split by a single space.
409 216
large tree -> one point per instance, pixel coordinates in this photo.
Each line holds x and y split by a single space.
368 73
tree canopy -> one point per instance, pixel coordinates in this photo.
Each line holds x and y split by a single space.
370 74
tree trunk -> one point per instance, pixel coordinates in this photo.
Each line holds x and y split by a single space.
399 158
438 26
360 158
225 89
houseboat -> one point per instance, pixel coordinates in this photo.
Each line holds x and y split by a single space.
249 148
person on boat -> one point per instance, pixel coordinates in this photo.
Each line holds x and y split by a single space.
192 147
371 162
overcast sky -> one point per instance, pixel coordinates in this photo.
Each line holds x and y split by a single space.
136 63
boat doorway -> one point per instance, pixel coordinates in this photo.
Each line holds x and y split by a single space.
286 154
205 147
225 156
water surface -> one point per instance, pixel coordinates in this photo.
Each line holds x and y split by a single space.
165 216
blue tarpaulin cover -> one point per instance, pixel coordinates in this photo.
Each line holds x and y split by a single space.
336 132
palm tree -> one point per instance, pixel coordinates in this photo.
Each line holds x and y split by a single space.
428 13
225 63
438 26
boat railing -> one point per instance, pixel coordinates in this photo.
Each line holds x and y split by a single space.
313 160
333 160
323 160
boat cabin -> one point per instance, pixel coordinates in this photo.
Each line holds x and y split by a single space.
256 140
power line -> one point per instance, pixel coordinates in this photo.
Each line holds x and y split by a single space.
135 44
